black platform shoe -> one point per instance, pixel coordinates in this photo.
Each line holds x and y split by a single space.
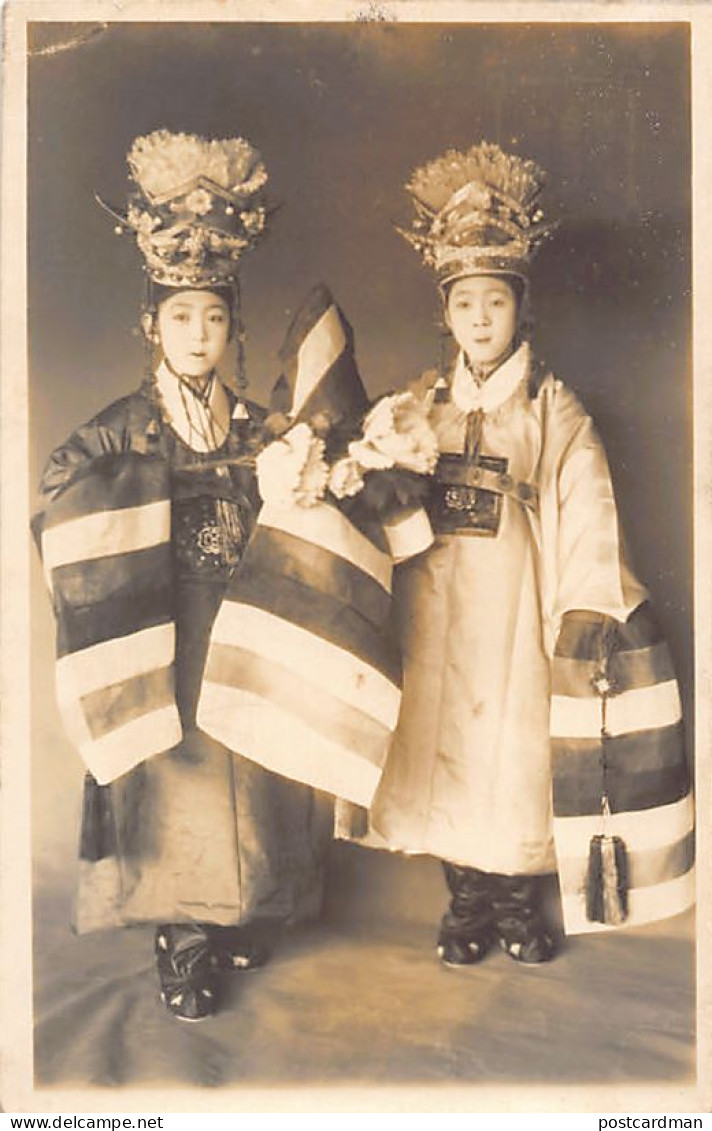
187 971
467 927
521 927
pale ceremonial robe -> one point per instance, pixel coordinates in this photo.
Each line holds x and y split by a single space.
468 777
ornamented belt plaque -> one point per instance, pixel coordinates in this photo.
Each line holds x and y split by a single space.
201 541
459 504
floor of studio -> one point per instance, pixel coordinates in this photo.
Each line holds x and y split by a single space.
360 999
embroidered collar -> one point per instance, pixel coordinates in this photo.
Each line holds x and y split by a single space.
202 425
468 396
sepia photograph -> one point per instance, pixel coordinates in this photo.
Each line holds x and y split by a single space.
350 514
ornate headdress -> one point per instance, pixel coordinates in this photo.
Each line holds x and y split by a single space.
196 206
477 213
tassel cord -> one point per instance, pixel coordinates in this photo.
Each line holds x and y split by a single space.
473 436
606 645
443 336
227 513
241 375
607 879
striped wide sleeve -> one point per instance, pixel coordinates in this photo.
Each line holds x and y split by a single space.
303 675
617 735
105 544
319 370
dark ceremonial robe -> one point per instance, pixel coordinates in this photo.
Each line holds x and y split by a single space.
175 827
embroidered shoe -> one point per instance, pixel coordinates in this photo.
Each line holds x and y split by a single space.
453 951
466 928
238 948
520 925
187 972
536 948
192 1005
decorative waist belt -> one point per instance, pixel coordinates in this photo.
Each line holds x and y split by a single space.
209 535
467 495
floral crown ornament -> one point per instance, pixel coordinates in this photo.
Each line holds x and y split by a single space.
477 213
196 206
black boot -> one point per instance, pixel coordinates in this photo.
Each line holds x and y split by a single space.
466 929
187 971
522 929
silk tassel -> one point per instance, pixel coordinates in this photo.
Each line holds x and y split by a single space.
607 873
607 880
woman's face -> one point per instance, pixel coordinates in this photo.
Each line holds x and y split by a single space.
193 330
481 312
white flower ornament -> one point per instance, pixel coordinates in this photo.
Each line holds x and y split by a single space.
292 470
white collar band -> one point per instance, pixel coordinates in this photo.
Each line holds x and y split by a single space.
468 396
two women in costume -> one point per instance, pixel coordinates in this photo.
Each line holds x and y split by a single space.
539 725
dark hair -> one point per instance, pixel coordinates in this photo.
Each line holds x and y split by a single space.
516 282
158 293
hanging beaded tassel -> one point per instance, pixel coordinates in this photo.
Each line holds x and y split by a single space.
615 880
148 310
607 873
153 428
441 389
240 411
607 879
473 435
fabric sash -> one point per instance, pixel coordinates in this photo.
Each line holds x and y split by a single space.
106 554
616 730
